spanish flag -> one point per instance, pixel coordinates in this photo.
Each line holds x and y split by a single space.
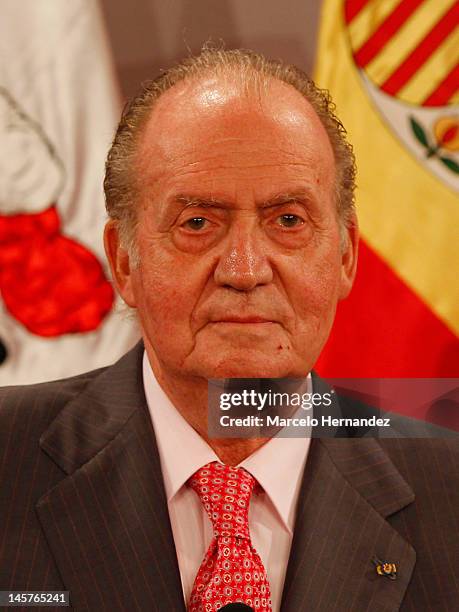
392 69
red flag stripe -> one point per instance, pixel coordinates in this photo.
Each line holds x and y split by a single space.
423 51
445 90
373 45
353 8
385 330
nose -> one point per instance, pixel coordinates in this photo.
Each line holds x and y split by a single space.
243 264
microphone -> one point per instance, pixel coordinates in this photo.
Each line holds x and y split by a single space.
236 607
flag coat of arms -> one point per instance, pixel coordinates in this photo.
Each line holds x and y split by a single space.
392 68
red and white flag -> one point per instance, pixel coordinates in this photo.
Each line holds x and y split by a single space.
59 106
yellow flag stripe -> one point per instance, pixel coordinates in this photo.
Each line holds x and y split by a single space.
406 214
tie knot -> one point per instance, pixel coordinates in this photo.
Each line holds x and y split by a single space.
225 493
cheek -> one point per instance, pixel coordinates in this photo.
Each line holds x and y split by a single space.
160 297
316 296
167 292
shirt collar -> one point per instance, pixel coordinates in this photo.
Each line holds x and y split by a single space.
182 452
280 479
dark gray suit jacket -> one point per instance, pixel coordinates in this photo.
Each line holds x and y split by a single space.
82 508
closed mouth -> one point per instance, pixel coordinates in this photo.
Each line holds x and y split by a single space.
243 320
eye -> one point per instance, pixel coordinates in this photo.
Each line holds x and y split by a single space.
289 220
196 223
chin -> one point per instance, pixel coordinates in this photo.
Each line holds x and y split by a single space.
244 367
272 357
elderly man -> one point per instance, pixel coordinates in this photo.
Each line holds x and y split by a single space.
232 233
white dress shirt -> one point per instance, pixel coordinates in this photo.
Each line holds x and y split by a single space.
277 466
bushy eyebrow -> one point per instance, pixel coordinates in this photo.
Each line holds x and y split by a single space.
301 195
206 202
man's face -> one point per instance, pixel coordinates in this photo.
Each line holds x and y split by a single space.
238 237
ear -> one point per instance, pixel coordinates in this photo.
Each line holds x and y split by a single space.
349 258
119 261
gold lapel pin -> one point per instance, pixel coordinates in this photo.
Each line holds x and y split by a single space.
383 568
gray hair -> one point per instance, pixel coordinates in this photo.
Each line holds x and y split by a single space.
121 187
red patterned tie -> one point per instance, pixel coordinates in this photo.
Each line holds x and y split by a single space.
232 570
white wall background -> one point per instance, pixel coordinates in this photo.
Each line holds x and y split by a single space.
148 35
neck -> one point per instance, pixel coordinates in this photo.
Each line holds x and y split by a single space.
189 397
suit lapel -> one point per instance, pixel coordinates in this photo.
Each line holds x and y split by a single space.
349 488
107 521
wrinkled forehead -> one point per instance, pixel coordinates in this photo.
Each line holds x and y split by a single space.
211 113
